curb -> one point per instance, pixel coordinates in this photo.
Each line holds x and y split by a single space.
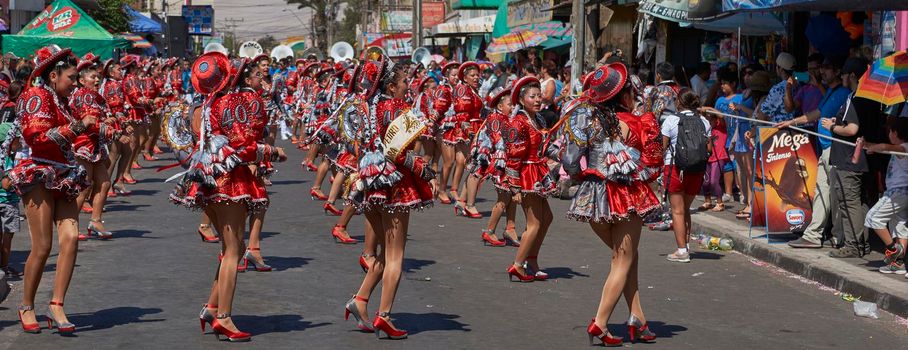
889 294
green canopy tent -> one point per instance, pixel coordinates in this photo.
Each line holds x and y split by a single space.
66 25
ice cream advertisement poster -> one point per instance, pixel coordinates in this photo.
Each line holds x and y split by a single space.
784 179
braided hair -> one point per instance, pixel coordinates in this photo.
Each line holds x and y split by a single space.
607 112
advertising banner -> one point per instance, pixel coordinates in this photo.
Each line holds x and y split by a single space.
397 21
433 13
200 19
529 12
787 173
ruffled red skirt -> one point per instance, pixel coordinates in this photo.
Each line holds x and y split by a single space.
411 192
346 162
63 181
239 186
89 148
534 178
456 135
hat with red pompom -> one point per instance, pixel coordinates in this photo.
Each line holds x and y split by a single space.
47 57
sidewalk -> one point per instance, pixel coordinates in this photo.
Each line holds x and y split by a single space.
856 276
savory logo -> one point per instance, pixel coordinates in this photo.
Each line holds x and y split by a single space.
62 19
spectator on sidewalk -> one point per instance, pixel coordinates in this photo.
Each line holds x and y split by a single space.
774 107
661 99
721 127
894 203
758 85
833 100
9 200
683 185
810 93
698 84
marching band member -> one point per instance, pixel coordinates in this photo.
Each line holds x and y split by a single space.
50 180
91 146
219 180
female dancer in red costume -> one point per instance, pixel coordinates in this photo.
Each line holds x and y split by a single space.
390 186
156 90
624 154
424 90
50 180
444 108
528 175
467 108
121 148
488 163
91 146
138 108
219 180
347 163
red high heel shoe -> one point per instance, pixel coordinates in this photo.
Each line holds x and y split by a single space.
445 200
310 166
331 209
313 192
363 263
238 336
607 340
467 213
87 209
157 150
149 158
33 328
111 193
512 272
82 237
136 166
205 239
637 330
129 181
205 316
62 328
247 259
351 309
382 326
539 275
489 238
339 238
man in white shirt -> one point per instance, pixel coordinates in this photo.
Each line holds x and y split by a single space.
698 81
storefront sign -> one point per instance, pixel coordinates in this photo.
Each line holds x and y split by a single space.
397 21
64 18
787 172
199 19
529 12
433 13
395 45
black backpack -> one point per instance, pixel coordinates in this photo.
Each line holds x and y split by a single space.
692 145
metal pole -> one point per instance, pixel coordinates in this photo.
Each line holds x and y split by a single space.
417 23
578 12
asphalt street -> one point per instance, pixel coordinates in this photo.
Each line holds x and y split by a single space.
143 289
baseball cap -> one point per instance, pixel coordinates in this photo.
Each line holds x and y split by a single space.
786 61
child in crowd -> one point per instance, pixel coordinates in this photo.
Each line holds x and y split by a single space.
894 202
9 200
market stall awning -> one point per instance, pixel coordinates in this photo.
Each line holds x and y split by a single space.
466 27
139 23
683 10
138 42
475 4
814 5
755 24
66 25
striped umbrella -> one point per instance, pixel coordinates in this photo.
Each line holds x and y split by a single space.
514 42
887 80
138 41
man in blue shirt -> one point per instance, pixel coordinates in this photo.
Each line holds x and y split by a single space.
835 96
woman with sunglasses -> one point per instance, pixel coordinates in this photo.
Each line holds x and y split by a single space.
50 180
220 181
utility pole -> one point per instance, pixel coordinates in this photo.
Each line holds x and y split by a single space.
231 24
578 21
417 24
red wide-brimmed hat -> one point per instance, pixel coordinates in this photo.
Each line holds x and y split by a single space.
106 67
605 82
496 95
309 68
237 67
210 72
87 61
450 65
300 60
354 78
257 59
464 67
422 83
47 57
371 76
515 92
129 60
339 69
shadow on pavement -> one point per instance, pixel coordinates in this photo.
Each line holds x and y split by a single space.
124 207
562 272
411 265
144 192
287 182
664 330
258 325
108 318
267 234
132 234
706 255
433 321
281 263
